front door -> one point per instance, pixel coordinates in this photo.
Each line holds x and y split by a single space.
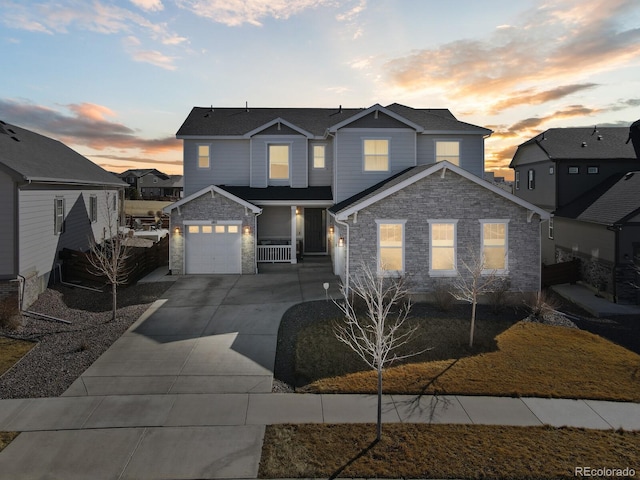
314 230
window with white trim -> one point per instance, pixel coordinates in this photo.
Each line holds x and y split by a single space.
93 208
442 247
551 228
517 180
592 170
376 155
319 156
390 246
573 170
278 162
494 245
449 151
58 218
531 179
204 156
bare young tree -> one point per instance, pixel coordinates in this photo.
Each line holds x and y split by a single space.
479 281
377 335
108 258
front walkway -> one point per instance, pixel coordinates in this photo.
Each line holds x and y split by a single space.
185 393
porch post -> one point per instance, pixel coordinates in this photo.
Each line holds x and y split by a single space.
293 234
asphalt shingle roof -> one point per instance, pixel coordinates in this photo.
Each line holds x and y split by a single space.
34 157
609 203
205 121
280 193
598 143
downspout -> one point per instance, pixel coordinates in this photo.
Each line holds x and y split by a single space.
616 255
346 256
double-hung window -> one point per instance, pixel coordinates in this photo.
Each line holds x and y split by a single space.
494 245
278 162
517 180
204 156
531 179
376 155
442 247
58 215
319 156
449 151
390 246
93 208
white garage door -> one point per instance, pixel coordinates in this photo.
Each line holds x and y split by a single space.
213 249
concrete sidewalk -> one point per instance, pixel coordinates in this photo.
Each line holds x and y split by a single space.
590 302
185 393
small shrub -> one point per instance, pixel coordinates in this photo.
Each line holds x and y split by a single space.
498 298
541 304
442 297
10 317
150 213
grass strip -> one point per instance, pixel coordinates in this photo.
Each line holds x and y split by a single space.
6 438
11 351
531 359
443 451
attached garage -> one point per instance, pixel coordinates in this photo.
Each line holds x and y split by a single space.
213 248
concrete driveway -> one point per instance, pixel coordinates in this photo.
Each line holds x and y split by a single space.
209 334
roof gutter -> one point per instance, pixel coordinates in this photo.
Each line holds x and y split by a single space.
64 181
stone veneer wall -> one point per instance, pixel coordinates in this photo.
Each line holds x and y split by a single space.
211 208
452 197
594 271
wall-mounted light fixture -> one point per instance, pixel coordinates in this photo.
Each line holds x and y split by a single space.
176 230
247 230
341 242
297 211
331 229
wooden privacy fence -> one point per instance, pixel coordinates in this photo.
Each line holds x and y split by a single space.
141 261
557 273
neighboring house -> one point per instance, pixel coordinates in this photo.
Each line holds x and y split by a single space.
579 175
273 185
151 183
602 228
53 198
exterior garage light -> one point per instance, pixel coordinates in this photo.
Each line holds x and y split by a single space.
341 242
176 230
331 229
247 230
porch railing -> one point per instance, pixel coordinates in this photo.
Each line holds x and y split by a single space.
274 253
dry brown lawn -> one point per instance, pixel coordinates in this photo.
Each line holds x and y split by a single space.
6 438
442 451
529 359
11 351
142 207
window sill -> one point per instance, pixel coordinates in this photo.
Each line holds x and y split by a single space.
443 273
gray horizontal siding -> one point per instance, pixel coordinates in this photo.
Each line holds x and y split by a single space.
7 232
39 244
229 164
321 176
350 176
471 151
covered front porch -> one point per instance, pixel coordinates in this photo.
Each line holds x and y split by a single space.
287 233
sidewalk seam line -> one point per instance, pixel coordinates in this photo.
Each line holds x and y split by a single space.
133 452
594 411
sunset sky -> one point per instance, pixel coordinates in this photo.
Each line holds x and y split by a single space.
115 80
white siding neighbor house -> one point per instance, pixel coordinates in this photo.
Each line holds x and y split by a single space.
54 198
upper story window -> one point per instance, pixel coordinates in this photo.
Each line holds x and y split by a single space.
115 202
278 162
58 215
517 180
376 155
551 170
442 247
204 159
93 208
390 246
494 245
531 179
449 151
574 170
319 156
592 170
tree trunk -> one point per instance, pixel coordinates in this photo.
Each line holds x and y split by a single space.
379 428
473 323
114 298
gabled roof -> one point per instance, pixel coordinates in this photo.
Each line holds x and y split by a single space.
31 157
592 143
411 175
212 190
612 202
375 109
241 122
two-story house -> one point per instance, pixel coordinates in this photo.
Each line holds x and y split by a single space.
150 183
53 198
581 175
399 187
